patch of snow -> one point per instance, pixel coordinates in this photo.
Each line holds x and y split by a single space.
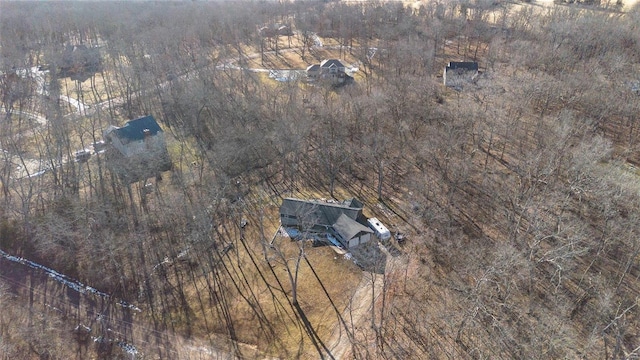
38 173
65 280
317 41
130 349
284 75
75 103
371 53
82 328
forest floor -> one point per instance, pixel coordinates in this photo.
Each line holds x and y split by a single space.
341 314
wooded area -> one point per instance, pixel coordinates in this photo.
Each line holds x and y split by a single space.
519 194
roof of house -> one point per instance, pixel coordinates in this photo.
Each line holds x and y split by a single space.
322 213
331 63
80 53
353 203
348 228
284 30
314 67
134 129
465 65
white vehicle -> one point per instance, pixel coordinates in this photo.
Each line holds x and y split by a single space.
82 155
379 229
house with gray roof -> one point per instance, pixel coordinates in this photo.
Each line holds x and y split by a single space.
332 66
137 150
313 71
344 219
317 214
458 74
350 232
329 70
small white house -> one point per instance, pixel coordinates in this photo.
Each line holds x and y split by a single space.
379 229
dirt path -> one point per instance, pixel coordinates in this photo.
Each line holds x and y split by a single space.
356 316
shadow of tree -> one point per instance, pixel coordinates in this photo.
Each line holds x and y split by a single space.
322 349
333 305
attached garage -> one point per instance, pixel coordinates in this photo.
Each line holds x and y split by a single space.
350 232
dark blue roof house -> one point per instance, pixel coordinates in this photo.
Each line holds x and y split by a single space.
136 130
138 149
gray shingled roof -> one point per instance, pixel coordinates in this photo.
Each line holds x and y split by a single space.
327 63
319 212
348 228
466 65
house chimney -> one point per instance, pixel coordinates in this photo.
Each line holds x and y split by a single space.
147 136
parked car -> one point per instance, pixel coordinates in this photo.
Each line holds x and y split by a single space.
99 146
82 155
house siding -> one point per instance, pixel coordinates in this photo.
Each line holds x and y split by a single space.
359 239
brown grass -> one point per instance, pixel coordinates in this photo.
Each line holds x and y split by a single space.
324 271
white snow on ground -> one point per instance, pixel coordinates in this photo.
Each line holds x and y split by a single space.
317 41
41 120
75 103
39 77
286 75
130 349
65 280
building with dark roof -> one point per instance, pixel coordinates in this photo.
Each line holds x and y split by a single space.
313 71
457 74
309 214
330 70
137 150
332 66
350 232
342 219
80 62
